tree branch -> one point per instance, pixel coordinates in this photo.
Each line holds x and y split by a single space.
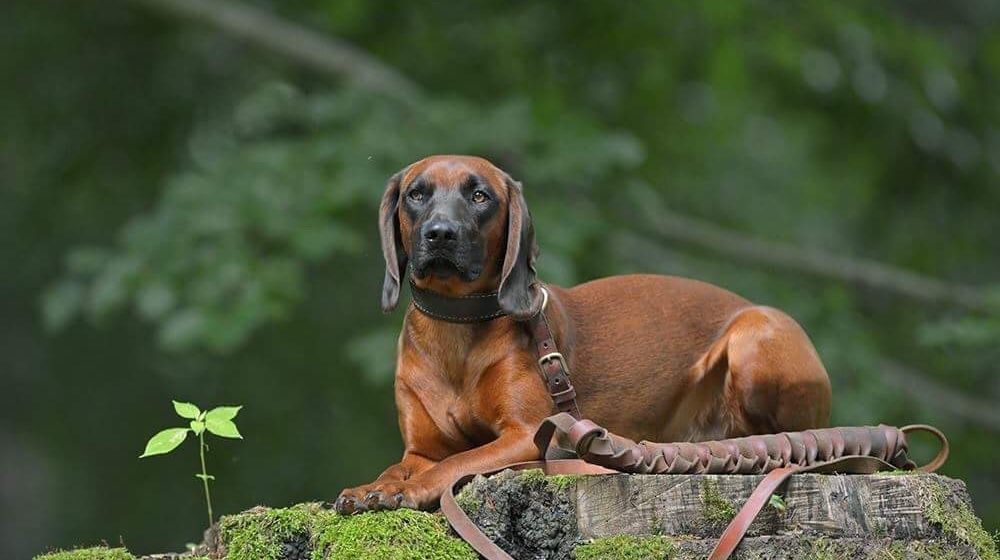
321 53
673 227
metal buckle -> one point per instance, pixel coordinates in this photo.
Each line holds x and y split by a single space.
553 356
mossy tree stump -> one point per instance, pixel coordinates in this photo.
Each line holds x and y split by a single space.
882 516
623 517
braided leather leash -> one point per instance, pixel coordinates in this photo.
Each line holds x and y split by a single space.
853 450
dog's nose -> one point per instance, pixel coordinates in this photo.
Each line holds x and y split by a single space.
440 231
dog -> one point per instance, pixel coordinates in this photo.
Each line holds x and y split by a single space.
651 357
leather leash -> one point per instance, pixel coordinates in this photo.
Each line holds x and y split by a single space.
774 454
551 362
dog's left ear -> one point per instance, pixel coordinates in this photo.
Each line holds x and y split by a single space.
518 272
392 245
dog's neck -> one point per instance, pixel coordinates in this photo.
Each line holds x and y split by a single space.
469 308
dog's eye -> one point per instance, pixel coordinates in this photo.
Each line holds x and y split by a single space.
479 197
415 195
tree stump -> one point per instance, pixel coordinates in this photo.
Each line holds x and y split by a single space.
622 517
881 516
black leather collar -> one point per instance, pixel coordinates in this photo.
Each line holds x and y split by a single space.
473 308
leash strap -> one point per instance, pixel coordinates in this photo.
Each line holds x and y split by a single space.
862 450
551 362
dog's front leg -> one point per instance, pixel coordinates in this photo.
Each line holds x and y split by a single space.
423 490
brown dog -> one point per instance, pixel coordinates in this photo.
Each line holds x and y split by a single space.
652 357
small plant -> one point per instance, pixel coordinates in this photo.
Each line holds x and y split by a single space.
218 421
777 502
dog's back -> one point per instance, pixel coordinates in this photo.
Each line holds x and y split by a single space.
654 342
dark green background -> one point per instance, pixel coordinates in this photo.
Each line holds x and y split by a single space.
185 216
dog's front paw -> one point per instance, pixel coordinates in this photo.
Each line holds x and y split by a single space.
378 496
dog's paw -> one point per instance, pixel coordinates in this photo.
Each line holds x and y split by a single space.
351 500
379 496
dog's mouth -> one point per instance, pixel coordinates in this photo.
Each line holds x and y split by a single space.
445 266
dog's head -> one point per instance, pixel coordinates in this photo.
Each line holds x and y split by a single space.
463 227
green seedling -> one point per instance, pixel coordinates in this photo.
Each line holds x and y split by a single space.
777 502
218 421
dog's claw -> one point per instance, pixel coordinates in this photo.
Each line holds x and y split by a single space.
346 505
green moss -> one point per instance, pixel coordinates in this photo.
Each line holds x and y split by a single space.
393 535
257 534
957 521
469 503
95 553
562 481
556 482
532 475
718 510
404 534
626 547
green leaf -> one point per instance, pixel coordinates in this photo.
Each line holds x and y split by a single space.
222 427
223 412
197 427
165 441
205 476
777 502
186 410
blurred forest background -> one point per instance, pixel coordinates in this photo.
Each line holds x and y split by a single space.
189 193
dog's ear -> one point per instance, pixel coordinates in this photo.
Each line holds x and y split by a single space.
518 272
392 244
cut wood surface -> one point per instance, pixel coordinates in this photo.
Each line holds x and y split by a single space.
681 516
835 506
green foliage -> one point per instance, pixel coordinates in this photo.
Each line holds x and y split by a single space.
94 553
218 421
626 547
777 502
292 180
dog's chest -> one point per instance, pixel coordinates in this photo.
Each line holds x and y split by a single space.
450 366
447 390
454 411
